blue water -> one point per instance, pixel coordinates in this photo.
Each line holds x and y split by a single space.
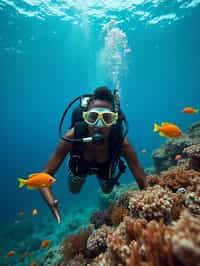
47 61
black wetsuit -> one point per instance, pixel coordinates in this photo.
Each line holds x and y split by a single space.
82 167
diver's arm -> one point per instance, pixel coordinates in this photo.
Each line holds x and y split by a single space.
51 167
129 154
59 155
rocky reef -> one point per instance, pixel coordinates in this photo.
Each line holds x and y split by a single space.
164 156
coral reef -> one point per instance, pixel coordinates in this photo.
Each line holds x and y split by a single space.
154 203
75 245
192 202
52 257
194 132
156 227
116 213
137 242
186 239
76 261
112 216
176 178
164 157
193 152
186 187
97 240
98 218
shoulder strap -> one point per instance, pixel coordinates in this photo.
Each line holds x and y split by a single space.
81 131
115 139
76 116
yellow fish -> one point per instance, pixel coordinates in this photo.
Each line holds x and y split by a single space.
37 181
168 130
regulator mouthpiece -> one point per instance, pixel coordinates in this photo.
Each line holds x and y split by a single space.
98 138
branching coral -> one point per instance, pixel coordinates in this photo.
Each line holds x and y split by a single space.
176 178
195 184
123 199
154 203
117 244
138 243
155 231
178 206
157 202
150 242
153 180
116 213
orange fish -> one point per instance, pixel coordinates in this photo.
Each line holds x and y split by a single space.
178 157
33 263
190 110
34 212
11 253
45 243
81 229
168 130
21 214
37 181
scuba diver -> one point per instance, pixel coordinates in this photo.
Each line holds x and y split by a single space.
97 143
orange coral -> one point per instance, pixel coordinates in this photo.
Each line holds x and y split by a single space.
137 242
178 206
149 244
178 177
116 214
144 239
153 180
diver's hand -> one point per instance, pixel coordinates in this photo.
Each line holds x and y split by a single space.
52 203
55 211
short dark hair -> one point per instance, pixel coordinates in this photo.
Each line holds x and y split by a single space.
103 94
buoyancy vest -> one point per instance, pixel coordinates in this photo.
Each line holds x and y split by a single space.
79 166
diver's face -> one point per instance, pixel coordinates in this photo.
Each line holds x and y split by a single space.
94 129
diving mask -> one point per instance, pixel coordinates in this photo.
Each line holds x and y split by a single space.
100 117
